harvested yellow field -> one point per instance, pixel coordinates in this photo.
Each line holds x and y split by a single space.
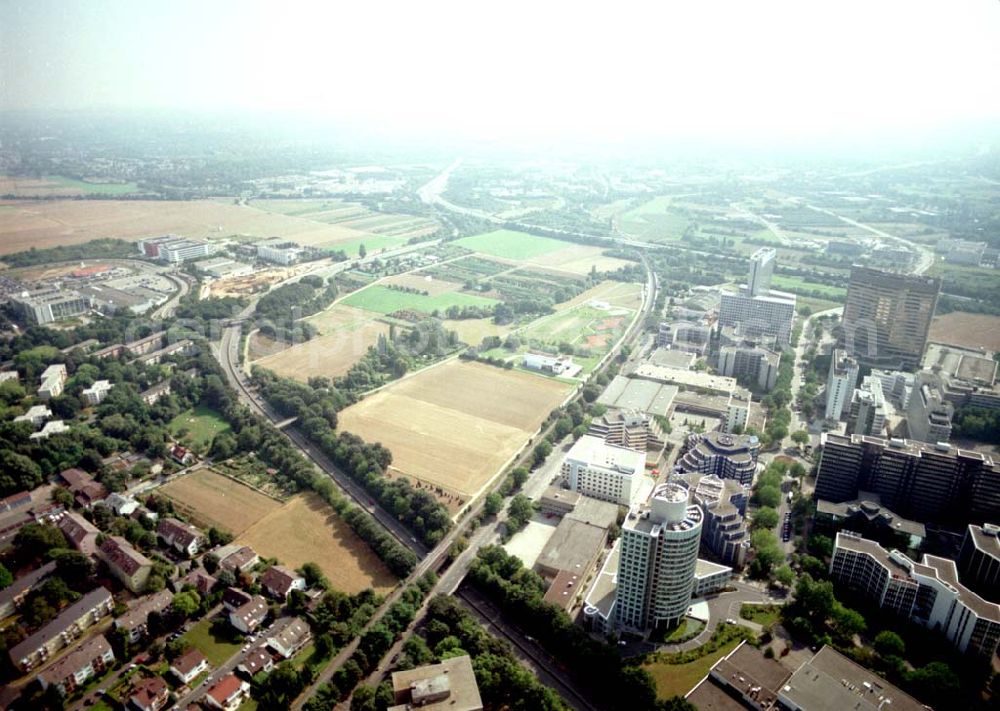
340 318
55 222
210 499
457 424
331 355
305 530
626 295
578 259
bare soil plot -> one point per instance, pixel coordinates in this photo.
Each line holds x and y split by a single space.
578 259
423 283
210 499
306 530
262 346
331 355
54 222
968 330
617 293
455 425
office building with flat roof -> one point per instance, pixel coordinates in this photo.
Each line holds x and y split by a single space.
604 471
726 456
724 531
44 306
928 483
658 557
928 414
750 365
831 681
759 311
887 317
840 382
449 685
628 428
926 593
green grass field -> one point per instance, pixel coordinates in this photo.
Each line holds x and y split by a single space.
94 188
215 649
508 244
654 220
761 614
797 283
678 679
373 244
202 424
384 300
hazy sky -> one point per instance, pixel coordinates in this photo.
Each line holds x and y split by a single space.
763 69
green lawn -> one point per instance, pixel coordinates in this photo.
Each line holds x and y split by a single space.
202 424
654 220
373 244
678 679
763 615
796 283
817 305
94 188
216 649
508 244
384 300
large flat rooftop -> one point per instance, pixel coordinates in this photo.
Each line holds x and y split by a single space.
688 378
832 682
635 394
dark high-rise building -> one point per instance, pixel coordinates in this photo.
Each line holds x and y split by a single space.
887 317
979 560
920 481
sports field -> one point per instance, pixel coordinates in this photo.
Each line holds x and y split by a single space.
455 425
331 355
201 424
210 499
306 529
384 300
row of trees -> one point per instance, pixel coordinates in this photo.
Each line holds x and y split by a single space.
372 646
366 463
520 592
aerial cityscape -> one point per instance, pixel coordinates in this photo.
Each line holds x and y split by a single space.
339 372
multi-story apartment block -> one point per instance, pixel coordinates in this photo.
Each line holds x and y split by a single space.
928 414
887 317
89 659
979 560
658 556
920 481
840 384
127 564
927 593
95 394
750 364
628 428
51 381
726 456
134 622
62 630
603 471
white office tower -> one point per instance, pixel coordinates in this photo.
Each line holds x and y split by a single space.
659 553
840 384
761 271
868 409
